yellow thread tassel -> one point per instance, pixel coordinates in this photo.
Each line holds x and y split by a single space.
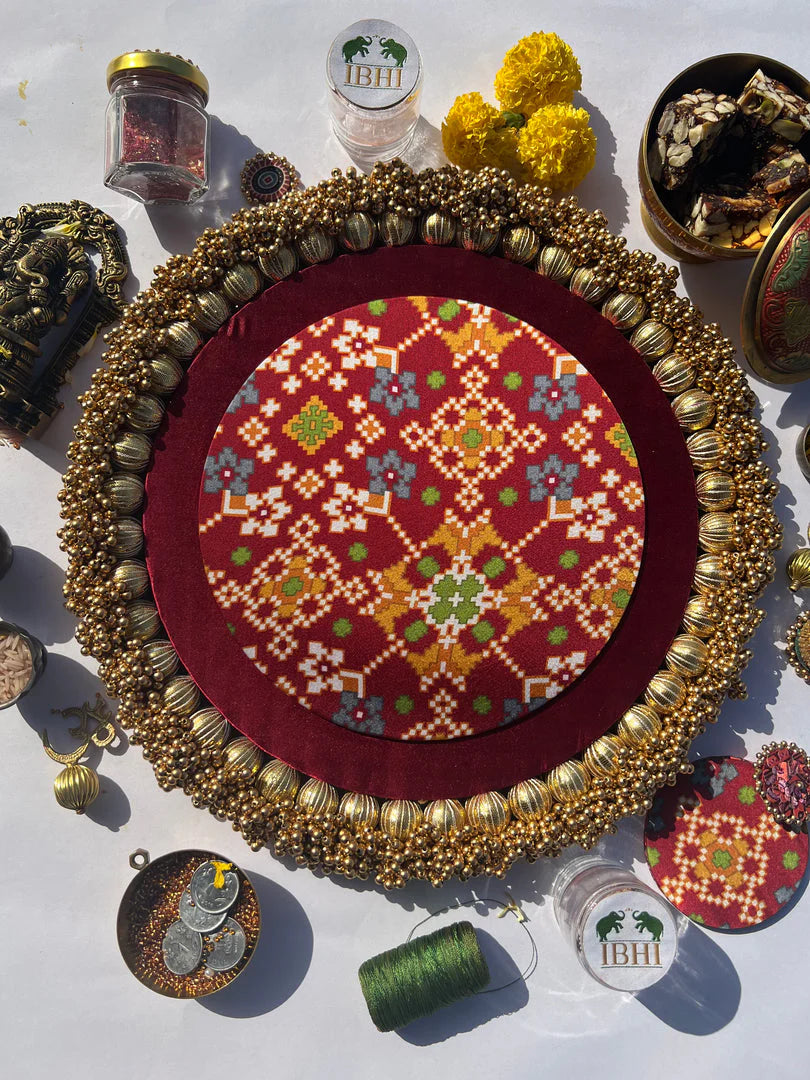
219 876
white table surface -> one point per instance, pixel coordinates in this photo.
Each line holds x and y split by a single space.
68 1006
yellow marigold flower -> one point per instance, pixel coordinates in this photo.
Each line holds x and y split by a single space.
557 146
468 130
540 70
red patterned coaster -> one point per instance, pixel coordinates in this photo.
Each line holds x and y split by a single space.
716 852
421 518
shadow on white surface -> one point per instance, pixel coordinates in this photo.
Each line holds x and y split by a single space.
31 596
701 993
602 187
281 960
111 809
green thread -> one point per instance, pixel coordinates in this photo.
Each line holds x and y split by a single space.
423 975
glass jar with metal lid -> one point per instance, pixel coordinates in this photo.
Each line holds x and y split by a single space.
157 128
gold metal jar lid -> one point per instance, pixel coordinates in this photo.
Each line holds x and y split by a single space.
776 304
155 60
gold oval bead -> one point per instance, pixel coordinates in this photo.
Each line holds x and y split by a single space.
211 310
478 238
697 618
359 809
797 569
143 621
624 310
241 755
132 575
674 374
128 537
652 339
488 811
687 655
166 373
359 232
603 757
210 728
521 244
162 657
445 815
277 780
280 264
76 787
556 263
716 531
131 451
437 228
182 340
694 409
400 817
181 694
639 723
145 413
529 799
241 283
125 492
566 781
706 448
716 490
318 797
316 246
710 574
396 229
665 691
586 285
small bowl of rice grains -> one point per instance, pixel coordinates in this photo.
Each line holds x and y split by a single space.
22 661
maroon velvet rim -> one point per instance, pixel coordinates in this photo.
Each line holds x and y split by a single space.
347 759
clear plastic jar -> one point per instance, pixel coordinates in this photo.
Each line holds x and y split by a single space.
624 933
157 128
374 75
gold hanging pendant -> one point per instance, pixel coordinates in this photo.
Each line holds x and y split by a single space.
77 785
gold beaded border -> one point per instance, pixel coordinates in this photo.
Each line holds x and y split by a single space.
192 747
795 658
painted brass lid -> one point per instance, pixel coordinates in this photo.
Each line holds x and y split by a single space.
155 60
776 305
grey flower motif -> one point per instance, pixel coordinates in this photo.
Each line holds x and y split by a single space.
554 396
512 710
360 714
247 394
390 473
394 389
227 471
552 478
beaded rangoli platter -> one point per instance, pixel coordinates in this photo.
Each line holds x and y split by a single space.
417 524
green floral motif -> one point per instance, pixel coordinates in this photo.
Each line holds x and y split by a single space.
428 567
471 438
342 628
494 566
358 552
241 556
653 856
231 628
790 860
508 496
430 496
796 265
292 586
436 380
621 598
568 560
557 635
482 705
747 795
448 310
483 631
456 599
404 704
313 425
415 631
512 380
378 307
697 918
722 859
512 318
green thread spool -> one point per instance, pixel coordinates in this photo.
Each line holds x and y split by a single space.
423 975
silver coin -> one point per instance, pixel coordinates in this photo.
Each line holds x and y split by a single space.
182 948
196 918
228 946
207 896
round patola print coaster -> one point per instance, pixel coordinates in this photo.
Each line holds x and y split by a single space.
717 853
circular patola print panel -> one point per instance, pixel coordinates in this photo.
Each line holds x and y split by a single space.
421 518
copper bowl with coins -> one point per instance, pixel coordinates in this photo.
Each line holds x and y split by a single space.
188 923
662 211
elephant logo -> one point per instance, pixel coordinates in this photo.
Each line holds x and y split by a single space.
609 923
356 47
648 923
393 50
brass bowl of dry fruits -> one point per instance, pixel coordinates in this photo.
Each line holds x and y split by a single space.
724 152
